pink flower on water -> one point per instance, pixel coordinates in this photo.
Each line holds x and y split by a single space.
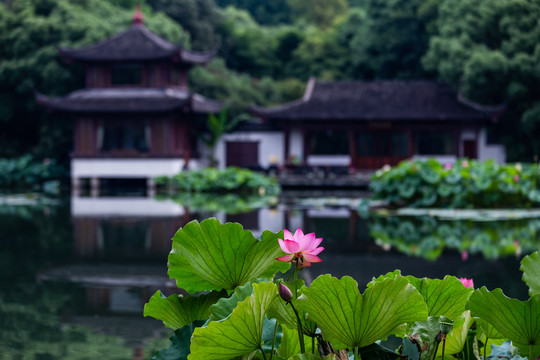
447 166
468 283
464 163
301 247
464 255
516 178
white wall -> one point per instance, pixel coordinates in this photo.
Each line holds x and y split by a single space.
271 146
296 144
127 168
486 152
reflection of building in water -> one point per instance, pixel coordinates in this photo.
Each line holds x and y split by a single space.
121 245
125 228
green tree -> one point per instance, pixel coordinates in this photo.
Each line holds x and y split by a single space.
322 13
489 50
389 40
200 18
30 33
265 12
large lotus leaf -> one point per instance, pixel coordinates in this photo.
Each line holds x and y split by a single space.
424 333
378 352
214 256
349 319
518 321
179 346
238 335
457 337
503 351
488 330
530 265
446 297
224 307
177 311
290 344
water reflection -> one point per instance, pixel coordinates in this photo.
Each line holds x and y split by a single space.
75 275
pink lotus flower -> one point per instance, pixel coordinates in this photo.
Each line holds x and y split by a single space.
300 247
468 283
447 166
516 178
464 163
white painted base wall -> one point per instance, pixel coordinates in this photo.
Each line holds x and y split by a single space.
127 168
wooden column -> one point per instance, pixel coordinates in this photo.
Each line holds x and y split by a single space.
353 146
410 143
286 140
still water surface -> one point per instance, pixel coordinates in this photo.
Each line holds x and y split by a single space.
75 274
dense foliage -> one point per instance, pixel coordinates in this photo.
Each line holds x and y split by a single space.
239 309
212 180
24 173
466 184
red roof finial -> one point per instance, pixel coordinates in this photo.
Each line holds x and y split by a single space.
138 17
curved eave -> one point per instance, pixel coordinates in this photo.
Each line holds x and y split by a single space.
202 105
75 55
112 105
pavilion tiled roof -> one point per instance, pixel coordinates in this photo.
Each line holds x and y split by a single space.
135 44
132 100
392 100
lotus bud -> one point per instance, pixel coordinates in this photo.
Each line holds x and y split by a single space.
445 324
285 293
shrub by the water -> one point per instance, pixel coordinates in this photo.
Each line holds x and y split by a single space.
465 184
26 173
213 180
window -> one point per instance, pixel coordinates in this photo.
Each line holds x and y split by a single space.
126 74
382 144
126 136
329 142
435 143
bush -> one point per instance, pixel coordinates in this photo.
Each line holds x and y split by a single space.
25 173
466 184
212 180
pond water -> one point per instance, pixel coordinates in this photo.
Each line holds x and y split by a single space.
75 273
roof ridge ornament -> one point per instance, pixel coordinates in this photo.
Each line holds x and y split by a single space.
138 17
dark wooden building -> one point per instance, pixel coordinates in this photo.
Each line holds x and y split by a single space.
136 115
367 125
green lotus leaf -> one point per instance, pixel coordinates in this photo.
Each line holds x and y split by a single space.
410 350
488 330
238 335
224 307
518 321
289 343
378 352
308 356
446 297
214 256
177 311
503 351
179 346
424 333
349 319
457 337
530 265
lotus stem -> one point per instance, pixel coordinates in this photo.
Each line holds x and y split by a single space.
485 348
264 355
295 278
274 341
313 344
443 344
300 332
356 355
